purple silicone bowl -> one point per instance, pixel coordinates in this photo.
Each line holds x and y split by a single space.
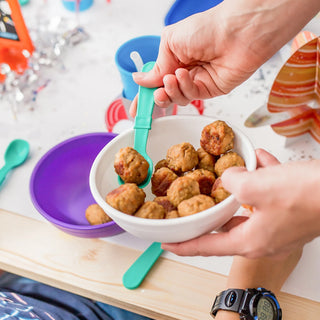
59 185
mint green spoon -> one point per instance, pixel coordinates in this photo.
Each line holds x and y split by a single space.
140 268
16 154
142 123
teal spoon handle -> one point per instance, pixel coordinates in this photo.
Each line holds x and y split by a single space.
3 173
143 119
142 123
140 268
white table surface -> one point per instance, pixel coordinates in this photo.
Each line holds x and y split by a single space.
75 102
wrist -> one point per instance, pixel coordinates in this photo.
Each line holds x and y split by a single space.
267 272
227 315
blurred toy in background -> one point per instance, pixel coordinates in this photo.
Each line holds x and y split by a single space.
184 8
77 5
23 2
26 65
7 27
15 42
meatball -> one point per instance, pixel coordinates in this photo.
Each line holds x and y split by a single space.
218 192
206 160
181 189
165 202
127 198
217 138
182 157
95 215
172 214
227 160
131 166
161 164
151 210
161 181
195 204
205 178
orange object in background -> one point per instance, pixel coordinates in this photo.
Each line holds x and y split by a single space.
296 89
248 207
301 39
14 37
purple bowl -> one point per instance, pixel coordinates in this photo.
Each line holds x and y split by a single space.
59 185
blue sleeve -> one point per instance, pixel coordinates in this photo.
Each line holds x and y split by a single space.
25 299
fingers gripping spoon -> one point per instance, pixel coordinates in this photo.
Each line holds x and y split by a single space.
142 123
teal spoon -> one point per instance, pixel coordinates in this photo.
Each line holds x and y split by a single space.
142 123
140 268
15 155
23 2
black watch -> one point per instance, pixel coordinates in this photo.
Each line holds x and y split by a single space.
251 304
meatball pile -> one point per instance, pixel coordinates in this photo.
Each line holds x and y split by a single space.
186 181
189 179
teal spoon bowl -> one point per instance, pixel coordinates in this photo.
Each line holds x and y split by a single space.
142 123
15 155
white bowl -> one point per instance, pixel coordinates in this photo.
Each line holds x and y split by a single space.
165 132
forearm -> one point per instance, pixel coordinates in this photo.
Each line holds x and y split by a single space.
268 273
267 25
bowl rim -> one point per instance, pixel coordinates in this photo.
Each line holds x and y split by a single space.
165 222
42 160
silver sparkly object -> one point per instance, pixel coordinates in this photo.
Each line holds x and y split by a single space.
51 39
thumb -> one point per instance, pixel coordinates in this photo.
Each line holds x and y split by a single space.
166 64
232 179
151 79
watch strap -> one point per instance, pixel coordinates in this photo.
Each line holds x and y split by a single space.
229 300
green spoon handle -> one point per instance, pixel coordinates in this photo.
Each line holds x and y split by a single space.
3 172
143 119
140 268
140 140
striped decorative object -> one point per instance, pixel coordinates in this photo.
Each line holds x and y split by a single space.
296 89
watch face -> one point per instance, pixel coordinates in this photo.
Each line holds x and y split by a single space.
266 309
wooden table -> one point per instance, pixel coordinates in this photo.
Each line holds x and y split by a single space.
93 268
74 103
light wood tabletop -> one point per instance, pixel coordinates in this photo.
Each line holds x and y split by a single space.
93 268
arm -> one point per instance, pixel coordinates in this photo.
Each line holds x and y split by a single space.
268 273
210 53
